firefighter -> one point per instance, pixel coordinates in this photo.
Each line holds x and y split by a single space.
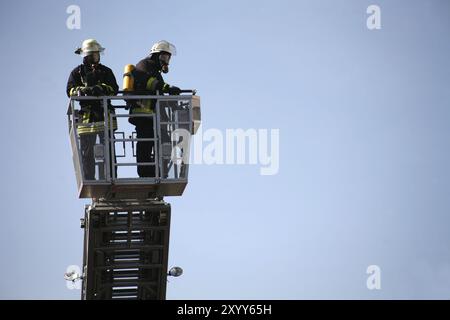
148 78
91 78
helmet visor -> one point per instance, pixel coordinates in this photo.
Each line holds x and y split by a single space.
172 49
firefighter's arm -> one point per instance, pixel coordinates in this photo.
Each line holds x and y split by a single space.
110 86
154 84
74 85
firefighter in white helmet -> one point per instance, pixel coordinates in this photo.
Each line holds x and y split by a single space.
91 79
148 78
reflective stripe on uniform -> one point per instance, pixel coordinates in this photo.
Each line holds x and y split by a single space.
93 127
145 106
74 90
151 84
166 87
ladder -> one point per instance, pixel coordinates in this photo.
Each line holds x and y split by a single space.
126 248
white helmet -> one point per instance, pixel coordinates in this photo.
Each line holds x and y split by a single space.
165 46
88 46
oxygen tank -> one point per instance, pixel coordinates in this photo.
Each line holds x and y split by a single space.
128 78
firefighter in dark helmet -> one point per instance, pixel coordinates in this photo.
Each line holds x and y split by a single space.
91 78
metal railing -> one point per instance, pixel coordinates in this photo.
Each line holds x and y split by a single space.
174 120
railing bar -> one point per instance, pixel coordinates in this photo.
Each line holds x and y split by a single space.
137 139
135 164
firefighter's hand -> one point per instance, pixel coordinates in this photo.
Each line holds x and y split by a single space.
87 91
174 90
97 90
92 91
83 91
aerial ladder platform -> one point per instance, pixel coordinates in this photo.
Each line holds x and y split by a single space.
127 225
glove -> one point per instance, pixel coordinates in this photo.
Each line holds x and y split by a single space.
83 91
92 91
97 90
174 90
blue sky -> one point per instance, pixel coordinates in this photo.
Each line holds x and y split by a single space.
364 145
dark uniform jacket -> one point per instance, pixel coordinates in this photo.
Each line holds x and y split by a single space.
86 76
148 76
147 80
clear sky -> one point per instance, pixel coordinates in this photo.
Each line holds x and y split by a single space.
363 118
